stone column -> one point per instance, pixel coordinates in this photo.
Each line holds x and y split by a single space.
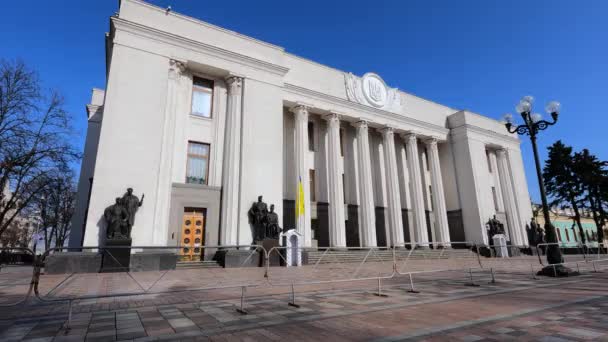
301 169
439 207
509 198
395 219
164 181
366 191
337 228
411 144
232 162
493 163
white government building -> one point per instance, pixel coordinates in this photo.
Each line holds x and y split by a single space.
202 120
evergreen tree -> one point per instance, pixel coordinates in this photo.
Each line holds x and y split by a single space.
593 176
562 183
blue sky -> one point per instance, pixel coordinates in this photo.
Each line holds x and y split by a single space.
477 55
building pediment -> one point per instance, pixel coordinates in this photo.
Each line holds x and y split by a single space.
371 90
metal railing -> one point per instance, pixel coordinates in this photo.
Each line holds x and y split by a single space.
146 273
16 275
253 266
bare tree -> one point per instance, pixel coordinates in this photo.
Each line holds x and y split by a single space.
18 234
55 205
35 143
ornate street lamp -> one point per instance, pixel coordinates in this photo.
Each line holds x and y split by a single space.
532 125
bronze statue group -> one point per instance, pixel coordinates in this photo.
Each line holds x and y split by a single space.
265 223
120 216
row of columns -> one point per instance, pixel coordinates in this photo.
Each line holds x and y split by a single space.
508 195
337 231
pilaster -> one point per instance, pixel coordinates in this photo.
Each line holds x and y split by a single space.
163 197
232 160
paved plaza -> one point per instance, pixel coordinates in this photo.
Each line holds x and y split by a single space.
514 307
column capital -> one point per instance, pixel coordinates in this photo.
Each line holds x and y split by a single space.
300 110
332 117
361 123
176 68
386 130
501 152
234 82
409 137
431 142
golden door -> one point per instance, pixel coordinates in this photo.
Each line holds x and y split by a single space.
192 236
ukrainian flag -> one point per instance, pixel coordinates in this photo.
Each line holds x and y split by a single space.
300 200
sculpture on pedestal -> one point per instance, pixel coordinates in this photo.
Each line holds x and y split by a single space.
265 224
495 227
120 216
116 217
257 215
272 224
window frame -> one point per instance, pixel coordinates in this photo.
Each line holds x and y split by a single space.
208 158
210 91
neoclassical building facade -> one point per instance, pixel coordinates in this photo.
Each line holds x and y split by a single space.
203 120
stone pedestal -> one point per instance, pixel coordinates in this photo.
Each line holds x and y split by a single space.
153 261
500 246
238 258
274 258
116 255
72 262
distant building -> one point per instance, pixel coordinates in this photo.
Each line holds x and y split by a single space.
567 230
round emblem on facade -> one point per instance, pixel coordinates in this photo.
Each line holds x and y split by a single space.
374 90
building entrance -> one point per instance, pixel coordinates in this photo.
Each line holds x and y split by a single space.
192 234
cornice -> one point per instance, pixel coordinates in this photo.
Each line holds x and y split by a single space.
187 43
464 129
94 113
205 24
359 108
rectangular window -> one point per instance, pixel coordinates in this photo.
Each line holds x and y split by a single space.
202 97
198 163
342 142
574 234
313 189
567 235
495 198
311 136
559 234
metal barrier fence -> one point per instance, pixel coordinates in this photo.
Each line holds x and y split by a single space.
414 257
151 270
155 270
330 265
17 269
581 260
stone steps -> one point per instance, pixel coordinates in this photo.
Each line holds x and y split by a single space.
385 255
197 264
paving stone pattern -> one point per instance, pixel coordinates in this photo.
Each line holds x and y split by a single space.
516 307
